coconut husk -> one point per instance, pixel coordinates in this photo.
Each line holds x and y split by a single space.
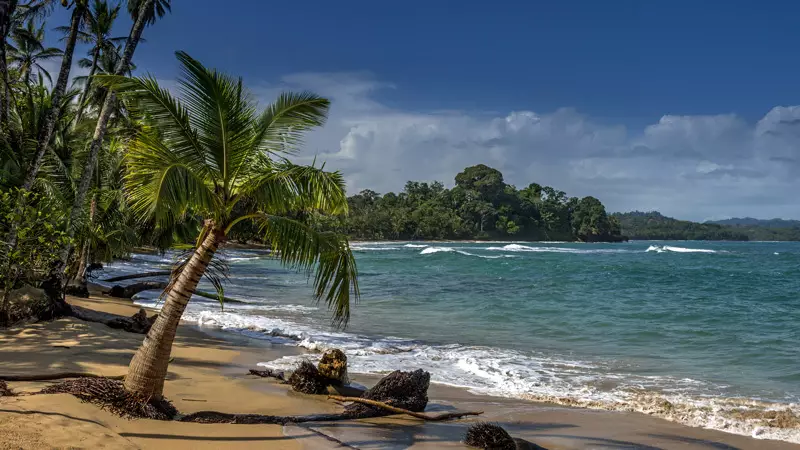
406 390
489 436
307 379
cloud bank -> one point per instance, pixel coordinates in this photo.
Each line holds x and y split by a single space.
695 167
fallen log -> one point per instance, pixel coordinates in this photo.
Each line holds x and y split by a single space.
138 323
132 289
161 273
58 376
394 409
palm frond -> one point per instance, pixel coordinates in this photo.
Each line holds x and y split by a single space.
160 184
286 187
327 255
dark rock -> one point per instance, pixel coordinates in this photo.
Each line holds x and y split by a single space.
306 379
27 304
333 365
407 390
4 390
489 436
117 291
77 290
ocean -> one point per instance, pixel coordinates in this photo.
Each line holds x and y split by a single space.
704 333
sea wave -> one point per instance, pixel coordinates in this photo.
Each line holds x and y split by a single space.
431 250
372 249
670 248
416 245
539 249
559 379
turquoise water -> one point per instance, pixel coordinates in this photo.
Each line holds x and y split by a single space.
595 322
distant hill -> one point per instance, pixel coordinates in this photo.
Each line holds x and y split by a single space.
653 225
751 222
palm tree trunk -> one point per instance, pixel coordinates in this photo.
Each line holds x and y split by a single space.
50 121
102 125
85 93
83 262
5 100
148 368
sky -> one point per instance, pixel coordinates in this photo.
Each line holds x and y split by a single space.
685 107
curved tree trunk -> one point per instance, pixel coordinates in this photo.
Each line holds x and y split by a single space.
148 368
85 93
5 100
50 121
102 125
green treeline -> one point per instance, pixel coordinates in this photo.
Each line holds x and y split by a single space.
653 225
480 206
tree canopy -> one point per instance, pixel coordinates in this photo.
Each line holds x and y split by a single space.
481 205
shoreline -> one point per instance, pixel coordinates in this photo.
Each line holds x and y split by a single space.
209 372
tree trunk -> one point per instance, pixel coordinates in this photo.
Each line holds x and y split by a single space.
102 125
5 101
148 368
85 93
50 121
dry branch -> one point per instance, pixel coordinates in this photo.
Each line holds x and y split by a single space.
394 409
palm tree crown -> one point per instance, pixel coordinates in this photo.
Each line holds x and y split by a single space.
213 155
28 52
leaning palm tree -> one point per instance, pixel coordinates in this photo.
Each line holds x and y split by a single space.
212 155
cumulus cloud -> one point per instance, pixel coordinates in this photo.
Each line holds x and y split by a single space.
695 167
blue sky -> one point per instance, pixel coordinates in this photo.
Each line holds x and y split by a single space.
683 106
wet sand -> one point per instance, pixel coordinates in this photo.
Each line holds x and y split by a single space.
209 372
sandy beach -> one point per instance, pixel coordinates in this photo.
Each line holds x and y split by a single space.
210 372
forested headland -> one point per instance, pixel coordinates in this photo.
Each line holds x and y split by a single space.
481 205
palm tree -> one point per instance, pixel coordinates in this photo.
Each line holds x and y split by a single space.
105 65
29 51
46 132
145 12
212 155
99 35
12 16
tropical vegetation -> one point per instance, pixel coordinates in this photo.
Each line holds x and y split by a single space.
481 205
655 226
92 167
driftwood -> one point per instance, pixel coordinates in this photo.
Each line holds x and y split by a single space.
269 373
132 289
394 409
57 376
161 273
138 323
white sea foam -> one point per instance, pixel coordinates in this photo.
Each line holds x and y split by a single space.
502 372
669 248
431 250
416 245
538 249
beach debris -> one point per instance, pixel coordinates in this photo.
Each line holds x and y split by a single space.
489 436
110 394
162 273
4 390
346 390
269 373
404 390
132 289
138 323
26 304
307 379
396 410
333 365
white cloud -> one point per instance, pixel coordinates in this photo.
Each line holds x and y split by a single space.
693 167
